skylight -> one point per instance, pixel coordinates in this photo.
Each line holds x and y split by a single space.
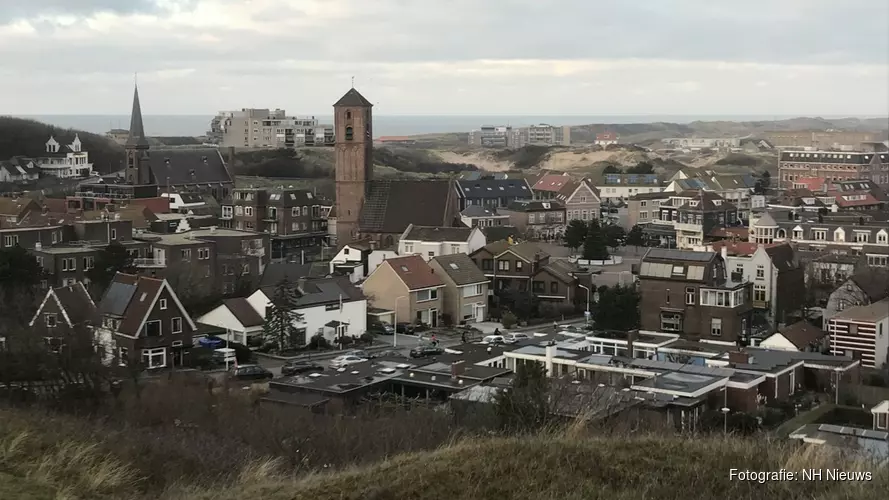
454 266
405 269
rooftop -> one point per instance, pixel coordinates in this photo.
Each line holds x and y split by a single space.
872 312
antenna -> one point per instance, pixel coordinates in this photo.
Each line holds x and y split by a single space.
136 78
353 82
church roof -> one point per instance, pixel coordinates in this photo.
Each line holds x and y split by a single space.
353 98
137 129
391 206
188 166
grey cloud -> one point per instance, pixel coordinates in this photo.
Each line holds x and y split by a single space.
27 9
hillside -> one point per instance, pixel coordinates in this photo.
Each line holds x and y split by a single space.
21 137
560 466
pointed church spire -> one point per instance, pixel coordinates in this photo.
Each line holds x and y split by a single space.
137 129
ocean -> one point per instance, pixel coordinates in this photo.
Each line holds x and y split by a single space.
196 125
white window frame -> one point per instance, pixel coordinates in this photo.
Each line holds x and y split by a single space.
151 354
173 326
430 295
716 327
162 303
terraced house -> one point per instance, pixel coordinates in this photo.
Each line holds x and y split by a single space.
864 234
581 200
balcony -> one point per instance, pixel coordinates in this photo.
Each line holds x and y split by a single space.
150 262
662 222
687 227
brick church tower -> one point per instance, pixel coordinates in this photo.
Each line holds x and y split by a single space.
138 170
353 127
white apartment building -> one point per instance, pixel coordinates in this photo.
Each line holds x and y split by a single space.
696 143
265 128
544 135
862 330
495 136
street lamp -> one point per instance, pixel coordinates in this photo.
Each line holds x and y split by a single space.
725 411
586 315
838 371
395 326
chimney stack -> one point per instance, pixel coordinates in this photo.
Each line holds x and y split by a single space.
457 368
301 285
632 335
231 156
738 357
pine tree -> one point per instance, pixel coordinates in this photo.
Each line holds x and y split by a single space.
635 237
281 316
594 246
575 234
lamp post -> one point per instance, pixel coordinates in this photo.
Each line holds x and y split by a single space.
586 314
395 326
725 411
836 399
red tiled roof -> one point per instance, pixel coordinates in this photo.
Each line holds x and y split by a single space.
415 272
802 334
158 205
869 199
741 233
607 136
811 183
551 182
735 248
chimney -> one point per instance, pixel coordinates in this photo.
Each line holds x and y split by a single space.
550 354
301 285
724 251
44 210
738 357
457 368
632 335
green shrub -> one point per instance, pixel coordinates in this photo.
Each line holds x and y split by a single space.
508 320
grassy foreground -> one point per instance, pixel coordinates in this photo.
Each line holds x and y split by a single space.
563 465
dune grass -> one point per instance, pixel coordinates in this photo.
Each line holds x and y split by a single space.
566 464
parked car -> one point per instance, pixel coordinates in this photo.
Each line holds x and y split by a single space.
493 339
421 327
297 367
251 372
512 338
360 353
346 360
426 351
381 328
405 328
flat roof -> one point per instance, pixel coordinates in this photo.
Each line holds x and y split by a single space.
62 249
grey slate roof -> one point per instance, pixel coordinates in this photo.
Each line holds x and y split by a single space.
324 291
243 311
188 166
494 188
460 268
117 298
478 211
430 233
497 233
391 206
353 98
673 255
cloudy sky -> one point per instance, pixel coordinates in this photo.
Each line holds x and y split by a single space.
484 57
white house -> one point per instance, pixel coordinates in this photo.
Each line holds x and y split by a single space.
240 320
65 160
801 336
430 241
351 260
863 331
18 170
331 307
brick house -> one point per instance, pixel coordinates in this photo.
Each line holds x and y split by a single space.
62 310
466 288
693 294
408 286
537 219
143 323
581 200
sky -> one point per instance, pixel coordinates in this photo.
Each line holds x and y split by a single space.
452 57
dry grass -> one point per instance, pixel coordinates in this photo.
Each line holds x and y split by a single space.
63 458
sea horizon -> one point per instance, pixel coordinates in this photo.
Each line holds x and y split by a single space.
395 125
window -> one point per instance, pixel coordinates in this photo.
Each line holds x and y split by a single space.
50 320
248 211
123 356
689 296
643 215
88 263
12 240
760 272
759 293
408 248
739 269
882 237
841 305
554 287
154 358
431 254
667 296
349 134
245 270
424 295
487 265
671 322
186 254
113 234
153 328
518 265
473 290
455 248
227 212
538 287
294 212
861 237
176 325
503 265
819 234
716 327
239 210
203 253
163 304
69 264
305 212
